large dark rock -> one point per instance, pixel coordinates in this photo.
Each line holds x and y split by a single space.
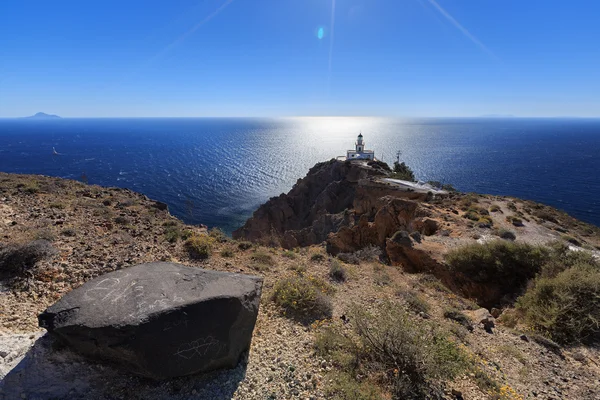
160 320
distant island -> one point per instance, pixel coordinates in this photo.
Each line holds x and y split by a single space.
497 116
42 115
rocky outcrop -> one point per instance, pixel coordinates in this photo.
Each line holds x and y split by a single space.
160 320
344 203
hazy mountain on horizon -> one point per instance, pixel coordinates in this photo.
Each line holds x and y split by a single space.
42 115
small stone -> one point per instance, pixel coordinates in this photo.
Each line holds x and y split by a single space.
457 394
524 338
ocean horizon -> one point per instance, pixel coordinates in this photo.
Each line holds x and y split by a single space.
217 171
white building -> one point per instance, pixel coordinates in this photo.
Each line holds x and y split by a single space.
360 153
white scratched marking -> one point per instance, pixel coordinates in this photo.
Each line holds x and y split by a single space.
198 347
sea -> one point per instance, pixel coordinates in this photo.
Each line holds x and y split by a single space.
217 171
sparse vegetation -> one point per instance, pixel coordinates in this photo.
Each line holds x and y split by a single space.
227 252
410 356
68 232
414 302
380 275
571 240
262 260
174 232
305 298
510 265
289 254
17 259
199 247
349 258
337 272
121 220
403 172
244 245
565 306
317 257
217 234
368 253
505 234
459 318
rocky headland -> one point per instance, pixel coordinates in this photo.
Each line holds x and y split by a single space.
348 257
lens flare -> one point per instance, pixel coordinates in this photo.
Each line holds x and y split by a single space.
320 33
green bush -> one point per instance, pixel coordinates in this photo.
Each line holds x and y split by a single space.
403 172
199 247
304 298
566 307
173 233
509 265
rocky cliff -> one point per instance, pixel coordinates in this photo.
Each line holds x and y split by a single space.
346 204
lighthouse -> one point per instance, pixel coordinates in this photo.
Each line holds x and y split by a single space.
359 153
359 143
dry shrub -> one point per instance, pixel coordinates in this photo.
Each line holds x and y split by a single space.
217 234
244 245
304 298
337 272
413 301
565 307
262 257
317 257
17 259
199 247
411 356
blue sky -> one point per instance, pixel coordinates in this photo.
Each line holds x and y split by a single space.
295 57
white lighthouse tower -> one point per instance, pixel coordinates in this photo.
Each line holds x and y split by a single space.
359 144
360 153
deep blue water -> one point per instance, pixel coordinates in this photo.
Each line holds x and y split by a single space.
218 171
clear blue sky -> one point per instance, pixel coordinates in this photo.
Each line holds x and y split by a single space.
103 58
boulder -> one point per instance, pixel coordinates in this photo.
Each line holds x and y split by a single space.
160 320
483 316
